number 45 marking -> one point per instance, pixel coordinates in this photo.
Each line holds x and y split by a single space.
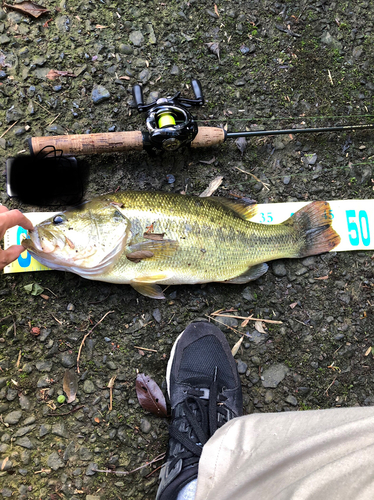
353 232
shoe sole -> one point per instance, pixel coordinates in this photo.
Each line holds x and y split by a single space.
170 362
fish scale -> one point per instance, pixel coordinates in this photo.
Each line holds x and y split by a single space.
145 239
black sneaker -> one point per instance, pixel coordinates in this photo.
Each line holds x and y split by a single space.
205 393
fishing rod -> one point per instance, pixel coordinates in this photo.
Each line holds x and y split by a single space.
170 126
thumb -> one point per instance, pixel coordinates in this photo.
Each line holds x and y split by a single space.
10 254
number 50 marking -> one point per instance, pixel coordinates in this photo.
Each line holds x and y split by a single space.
353 232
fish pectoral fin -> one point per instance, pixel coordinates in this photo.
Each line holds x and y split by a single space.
250 274
158 248
245 208
148 290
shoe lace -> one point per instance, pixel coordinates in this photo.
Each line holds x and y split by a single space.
203 417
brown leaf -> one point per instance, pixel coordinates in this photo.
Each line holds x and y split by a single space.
30 8
216 10
3 463
70 385
259 326
214 48
235 349
150 395
293 305
54 73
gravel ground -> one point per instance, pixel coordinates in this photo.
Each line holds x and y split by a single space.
277 65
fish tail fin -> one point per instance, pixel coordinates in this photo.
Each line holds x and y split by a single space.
313 223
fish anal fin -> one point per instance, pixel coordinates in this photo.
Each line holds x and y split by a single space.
244 207
148 289
159 248
250 274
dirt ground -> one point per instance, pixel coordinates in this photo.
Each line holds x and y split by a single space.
283 64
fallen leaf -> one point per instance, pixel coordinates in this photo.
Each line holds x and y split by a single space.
97 420
30 8
216 10
54 73
293 305
213 186
368 351
208 162
3 463
214 48
259 326
100 26
150 395
235 349
111 382
70 385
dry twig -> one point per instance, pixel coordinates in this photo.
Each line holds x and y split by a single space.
125 473
87 334
265 184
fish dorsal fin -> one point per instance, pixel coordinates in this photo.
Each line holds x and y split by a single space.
148 289
244 207
159 249
250 274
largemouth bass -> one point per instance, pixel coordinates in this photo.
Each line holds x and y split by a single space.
148 239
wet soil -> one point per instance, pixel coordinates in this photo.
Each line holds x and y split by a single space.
279 65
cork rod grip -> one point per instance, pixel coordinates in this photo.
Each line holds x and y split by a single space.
89 144
208 136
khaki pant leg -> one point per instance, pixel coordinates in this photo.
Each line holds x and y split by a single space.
322 454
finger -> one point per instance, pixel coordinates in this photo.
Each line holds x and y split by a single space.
12 253
3 209
14 218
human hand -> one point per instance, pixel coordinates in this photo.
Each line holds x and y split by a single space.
8 219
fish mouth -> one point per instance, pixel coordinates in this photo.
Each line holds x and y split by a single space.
35 244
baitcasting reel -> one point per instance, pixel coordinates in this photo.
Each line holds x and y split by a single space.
170 125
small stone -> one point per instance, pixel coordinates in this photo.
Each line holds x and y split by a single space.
25 443
269 395
44 430
125 49
137 38
175 71
6 464
100 94
144 75
30 420
43 382
23 431
279 269
54 461
157 315
286 180
85 454
13 417
13 114
291 400
89 387
111 365
273 375
44 366
242 367
3 381
248 294
3 75
227 321
67 360
59 429
145 425
91 469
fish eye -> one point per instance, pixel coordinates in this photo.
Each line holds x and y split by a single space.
58 219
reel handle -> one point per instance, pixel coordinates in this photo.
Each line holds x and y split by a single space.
137 93
198 91
111 142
